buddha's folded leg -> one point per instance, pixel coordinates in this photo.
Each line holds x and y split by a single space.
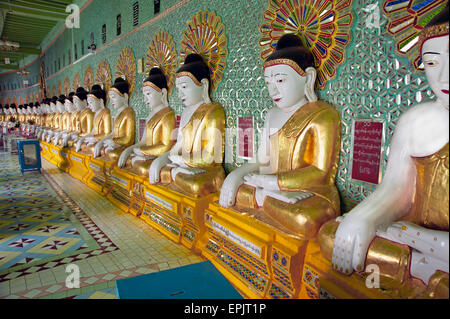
245 197
114 154
304 217
141 168
201 184
166 175
393 262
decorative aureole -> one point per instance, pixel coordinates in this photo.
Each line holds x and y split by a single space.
88 79
205 35
36 96
66 86
59 88
54 92
126 68
103 75
32 98
407 18
161 53
14 100
21 100
76 83
323 25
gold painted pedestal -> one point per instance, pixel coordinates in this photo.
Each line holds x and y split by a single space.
176 214
78 165
96 178
122 191
45 153
321 281
260 260
53 153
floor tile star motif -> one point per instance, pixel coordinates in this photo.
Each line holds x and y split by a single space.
22 242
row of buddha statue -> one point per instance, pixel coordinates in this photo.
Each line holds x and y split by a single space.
292 181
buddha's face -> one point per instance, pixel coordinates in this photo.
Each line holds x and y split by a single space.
94 104
435 59
53 107
189 92
117 101
59 107
68 106
286 87
19 110
152 97
78 103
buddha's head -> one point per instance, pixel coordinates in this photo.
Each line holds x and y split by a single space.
68 103
96 98
37 108
60 103
19 109
118 93
155 89
193 81
434 42
6 109
80 99
29 108
53 104
13 109
1 109
289 73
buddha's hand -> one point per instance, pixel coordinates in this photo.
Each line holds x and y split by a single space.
352 240
138 151
78 145
269 182
124 156
229 188
433 243
155 168
97 149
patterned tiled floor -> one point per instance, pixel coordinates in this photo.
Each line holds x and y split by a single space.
51 220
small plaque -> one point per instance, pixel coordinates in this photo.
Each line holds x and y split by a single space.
245 138
141 128
368 139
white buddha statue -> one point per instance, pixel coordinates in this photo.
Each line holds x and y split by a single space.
44 113
123 131
292 178
157 138
55 119
67 127
411 205
194 165
101 125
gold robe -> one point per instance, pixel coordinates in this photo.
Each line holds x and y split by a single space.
430 209
86 122
158 139
101 126
123 132
306 155
200 147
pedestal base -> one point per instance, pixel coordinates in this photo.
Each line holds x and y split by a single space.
96 178
259 259
177 215
78 166
121 189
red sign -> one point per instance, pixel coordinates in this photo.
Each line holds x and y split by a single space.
367 144
141 128
245 136
177 121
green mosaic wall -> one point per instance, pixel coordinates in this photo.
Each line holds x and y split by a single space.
373 82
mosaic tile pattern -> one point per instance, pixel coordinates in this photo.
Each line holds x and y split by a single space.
127 246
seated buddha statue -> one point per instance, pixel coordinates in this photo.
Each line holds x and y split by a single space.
292 178
2 114
44 118
13 116
96 100
81 119
160 124
63 118
403 226
194 163
123 128
55 124
66 119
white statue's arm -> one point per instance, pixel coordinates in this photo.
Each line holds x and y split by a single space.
232 182
126 153
100 144
389 201
156 166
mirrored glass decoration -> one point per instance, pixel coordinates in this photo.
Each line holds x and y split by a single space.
161 53
205 35
406 19
323 25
